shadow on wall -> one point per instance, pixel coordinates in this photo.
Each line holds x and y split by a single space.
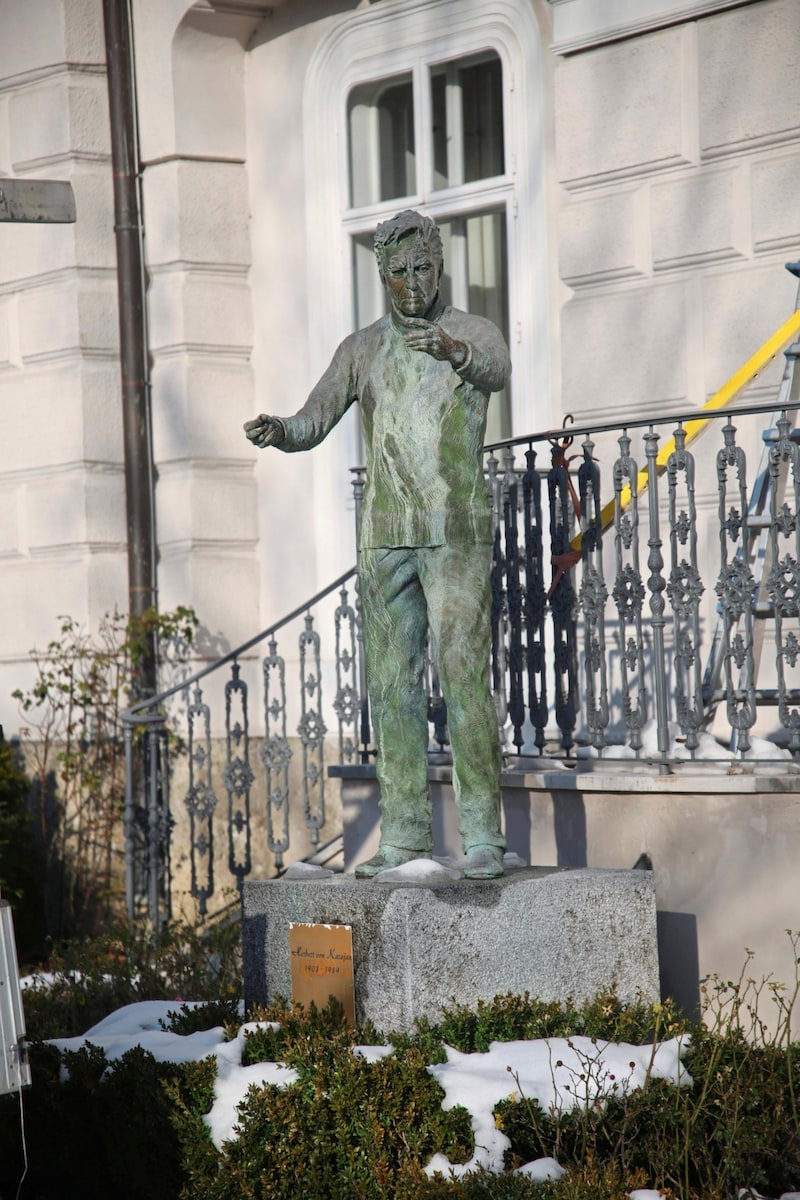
676 931
678 955
569 830
679 962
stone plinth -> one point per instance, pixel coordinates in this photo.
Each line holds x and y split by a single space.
558 934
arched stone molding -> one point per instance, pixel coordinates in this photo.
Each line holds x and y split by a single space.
380 41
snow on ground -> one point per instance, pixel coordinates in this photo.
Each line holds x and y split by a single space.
140 1025
559 1073
233 1081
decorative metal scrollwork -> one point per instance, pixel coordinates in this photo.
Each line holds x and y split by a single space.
498 612
276 754
311 730
784 580
593 595
148 822
437 707
735 588
201 801
656 585
535 602
237 775
513 573
347 701
563 603
684 589
629 592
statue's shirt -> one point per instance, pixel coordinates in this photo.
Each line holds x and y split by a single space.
424 425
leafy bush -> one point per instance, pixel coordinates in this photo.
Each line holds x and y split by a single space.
21 866
738 1125
105 1130
520 1018
75 748
194 1018
352 1128
84 981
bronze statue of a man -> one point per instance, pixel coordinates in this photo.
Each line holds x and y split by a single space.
422 375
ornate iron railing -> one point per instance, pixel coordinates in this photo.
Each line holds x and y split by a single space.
617 631
220 760
639 657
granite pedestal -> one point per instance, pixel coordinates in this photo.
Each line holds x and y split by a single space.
558 934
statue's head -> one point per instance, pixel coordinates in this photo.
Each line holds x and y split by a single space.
410 261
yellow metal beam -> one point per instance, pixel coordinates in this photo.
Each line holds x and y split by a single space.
729 391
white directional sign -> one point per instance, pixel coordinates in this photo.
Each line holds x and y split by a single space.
46 201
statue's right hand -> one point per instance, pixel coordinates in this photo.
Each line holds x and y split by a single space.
265 431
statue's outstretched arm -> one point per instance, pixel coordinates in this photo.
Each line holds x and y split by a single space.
324 408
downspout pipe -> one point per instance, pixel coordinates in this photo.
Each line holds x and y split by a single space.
128 230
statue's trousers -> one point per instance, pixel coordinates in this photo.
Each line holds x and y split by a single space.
404 591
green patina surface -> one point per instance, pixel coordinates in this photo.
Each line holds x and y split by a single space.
422 377
424 426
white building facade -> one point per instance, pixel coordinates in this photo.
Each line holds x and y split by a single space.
618 186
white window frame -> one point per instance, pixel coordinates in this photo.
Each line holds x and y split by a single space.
393 38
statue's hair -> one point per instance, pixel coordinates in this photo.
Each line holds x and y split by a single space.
392 232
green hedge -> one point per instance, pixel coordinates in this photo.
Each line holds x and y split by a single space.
134 1129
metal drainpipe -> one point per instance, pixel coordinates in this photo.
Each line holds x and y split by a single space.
137 441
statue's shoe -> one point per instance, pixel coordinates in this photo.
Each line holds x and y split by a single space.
386 858
484 862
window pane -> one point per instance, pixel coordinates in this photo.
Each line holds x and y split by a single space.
482 106
381 128
467 108
438 102
476 279
369 295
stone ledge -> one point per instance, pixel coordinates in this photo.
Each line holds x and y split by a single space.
558 934
620 775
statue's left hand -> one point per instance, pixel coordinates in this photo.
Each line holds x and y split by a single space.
432 339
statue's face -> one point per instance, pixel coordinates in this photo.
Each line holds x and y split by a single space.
411 278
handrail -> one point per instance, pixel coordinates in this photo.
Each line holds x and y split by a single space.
686 415
130 715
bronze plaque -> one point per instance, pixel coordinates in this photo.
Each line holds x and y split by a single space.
321 958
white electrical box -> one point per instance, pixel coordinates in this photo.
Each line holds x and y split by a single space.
15 1072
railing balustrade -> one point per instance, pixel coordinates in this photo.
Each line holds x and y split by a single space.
617 632
157 742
